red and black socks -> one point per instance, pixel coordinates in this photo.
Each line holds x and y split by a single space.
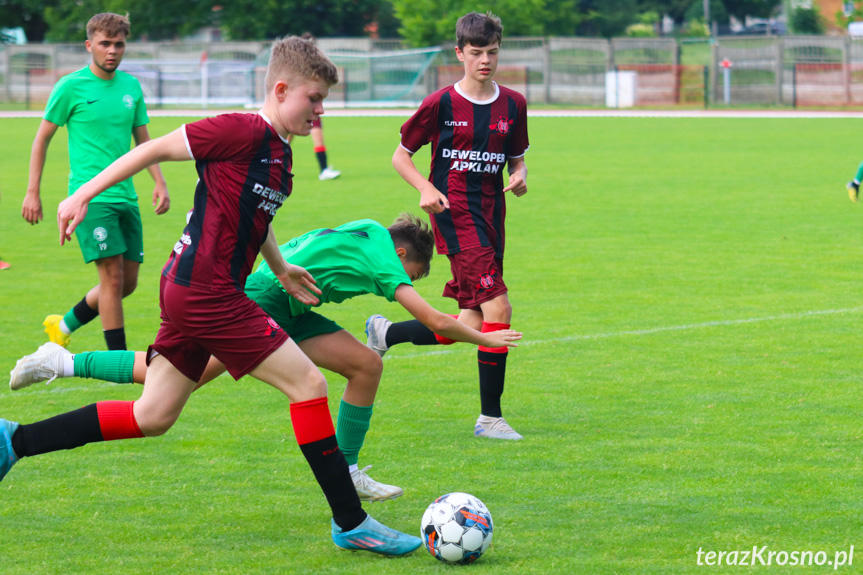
313 427
492 372
103 421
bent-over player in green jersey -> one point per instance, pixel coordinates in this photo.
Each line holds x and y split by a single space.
357 258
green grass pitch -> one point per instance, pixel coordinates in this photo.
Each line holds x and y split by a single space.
689 292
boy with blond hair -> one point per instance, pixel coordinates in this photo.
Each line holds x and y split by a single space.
243 163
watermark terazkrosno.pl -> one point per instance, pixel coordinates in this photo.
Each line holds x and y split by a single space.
765 556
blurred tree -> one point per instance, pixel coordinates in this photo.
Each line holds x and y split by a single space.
520 18
28 14
755 8
676 9
806 21
258 19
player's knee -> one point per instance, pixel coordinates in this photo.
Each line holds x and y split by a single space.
129 285
153 425
497 311
367 364
316 382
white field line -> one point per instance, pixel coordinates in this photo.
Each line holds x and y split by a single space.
650 331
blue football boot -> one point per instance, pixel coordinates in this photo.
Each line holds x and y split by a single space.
7 455
371 535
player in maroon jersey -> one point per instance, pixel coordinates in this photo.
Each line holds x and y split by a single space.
243 163
475 127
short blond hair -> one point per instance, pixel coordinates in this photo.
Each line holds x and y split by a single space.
110 24
294 59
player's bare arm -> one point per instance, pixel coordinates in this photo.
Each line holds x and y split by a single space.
517 177
296 280
31 209
161 199
432 201
449 327
72 210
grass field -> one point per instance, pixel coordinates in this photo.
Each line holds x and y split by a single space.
689 293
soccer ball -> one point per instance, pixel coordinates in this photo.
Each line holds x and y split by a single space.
457 528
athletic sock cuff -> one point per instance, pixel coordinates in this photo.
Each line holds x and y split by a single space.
117 420
489 326
354 417
311 420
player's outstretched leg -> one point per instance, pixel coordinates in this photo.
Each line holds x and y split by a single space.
376 333
853 190
55 334
371 535
7 454
370 490
45 364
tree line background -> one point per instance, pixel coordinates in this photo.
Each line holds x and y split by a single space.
420 22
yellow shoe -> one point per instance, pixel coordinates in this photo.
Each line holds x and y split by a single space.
853 191
55 334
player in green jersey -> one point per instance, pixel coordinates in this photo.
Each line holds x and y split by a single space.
853 186
102 109
357 258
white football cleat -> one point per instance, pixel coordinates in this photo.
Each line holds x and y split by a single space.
376 333
46 363
495 428
370 490
328 174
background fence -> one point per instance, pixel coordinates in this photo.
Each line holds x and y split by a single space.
778 70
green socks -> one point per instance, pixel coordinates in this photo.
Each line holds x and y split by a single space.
116 366
351 428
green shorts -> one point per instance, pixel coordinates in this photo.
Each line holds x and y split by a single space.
273 300
111 229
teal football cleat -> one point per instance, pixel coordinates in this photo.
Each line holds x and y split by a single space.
371 535
7 455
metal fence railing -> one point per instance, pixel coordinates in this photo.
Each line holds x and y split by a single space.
763 70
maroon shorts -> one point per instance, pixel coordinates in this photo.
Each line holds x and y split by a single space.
226 324
477 277
317 124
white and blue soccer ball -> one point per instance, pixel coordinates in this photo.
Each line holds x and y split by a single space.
457 528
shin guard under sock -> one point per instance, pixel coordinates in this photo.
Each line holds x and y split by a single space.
492 373
313 428
103 421
351 428
114 366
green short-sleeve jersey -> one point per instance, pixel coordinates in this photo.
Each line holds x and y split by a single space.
100 116
354 259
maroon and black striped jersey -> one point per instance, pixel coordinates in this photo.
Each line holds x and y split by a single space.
471 142
244 175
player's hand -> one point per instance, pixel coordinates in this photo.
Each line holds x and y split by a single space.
161 199
70 213
300 284
517 185
503 338
31 209
432 201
